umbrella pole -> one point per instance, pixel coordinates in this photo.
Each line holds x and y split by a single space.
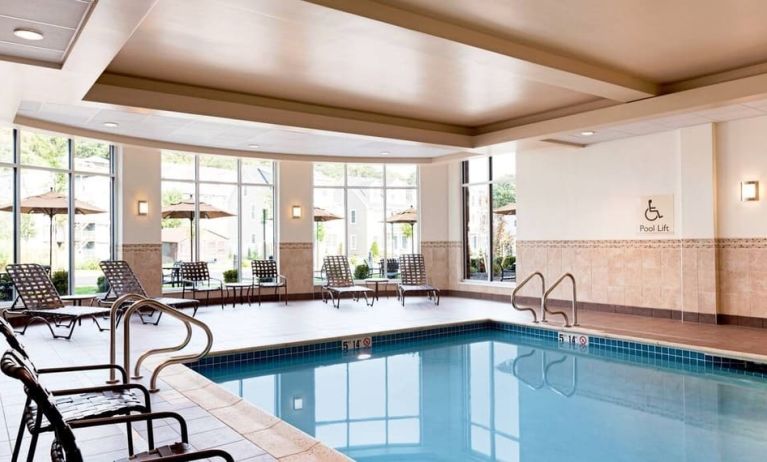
50 241
412 238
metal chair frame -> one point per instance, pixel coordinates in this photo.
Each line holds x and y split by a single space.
267 269
196 277
414 278
340 281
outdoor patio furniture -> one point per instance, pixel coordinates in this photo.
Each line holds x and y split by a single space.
196 278
42 302
265 276
122 281
340 282
389 268
64 447
414 279
77 404
509 274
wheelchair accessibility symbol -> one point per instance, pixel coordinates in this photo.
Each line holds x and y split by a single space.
651 213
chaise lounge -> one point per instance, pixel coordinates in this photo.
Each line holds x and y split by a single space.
414 278
340 282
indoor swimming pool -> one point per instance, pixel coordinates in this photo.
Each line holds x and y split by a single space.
488 394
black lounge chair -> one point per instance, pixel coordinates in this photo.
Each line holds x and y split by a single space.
265 275
196 278
42 302
340 282
77 404
122 281
64 447
413 273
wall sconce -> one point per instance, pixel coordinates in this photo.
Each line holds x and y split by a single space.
143 208
296 211
749 191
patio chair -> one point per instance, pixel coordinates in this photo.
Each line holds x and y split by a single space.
42 302
340 282
389 268
122 281
80 403
265 276
196 278
413 274
64 447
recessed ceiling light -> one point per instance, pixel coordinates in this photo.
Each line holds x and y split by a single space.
588 133
253 146
385 153
28 34
111 124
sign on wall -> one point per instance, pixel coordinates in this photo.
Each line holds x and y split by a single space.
656 214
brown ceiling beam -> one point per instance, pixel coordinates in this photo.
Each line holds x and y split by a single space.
529 62
720 94
173 97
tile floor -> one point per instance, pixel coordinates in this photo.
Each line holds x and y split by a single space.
246 326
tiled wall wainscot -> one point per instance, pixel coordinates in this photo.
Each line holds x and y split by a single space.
296 265
146 261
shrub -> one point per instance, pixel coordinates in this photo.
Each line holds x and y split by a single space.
361 271
508 261
60 280
102 284
230 275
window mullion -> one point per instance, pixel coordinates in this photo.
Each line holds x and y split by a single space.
71 218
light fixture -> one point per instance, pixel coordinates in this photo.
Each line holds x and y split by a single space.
296 211
385 153
749 191
363 356
253 146
588 133
143 208
298 403
28 34
111 124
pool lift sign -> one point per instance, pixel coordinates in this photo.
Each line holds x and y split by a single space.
656 214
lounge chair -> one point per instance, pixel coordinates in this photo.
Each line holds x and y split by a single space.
196 278
340 282
42 302
64 447
80 403
265 276
122 281
413 273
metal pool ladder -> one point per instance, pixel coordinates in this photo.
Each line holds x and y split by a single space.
140 302
573 301
525 308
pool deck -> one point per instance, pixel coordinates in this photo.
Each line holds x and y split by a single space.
219 419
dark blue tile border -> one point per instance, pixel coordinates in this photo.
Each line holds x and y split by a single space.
643 353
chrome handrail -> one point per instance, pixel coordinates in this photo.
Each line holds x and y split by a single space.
573 301
525 308
574 380
113 313
185 318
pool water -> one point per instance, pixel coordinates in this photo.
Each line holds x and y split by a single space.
494 395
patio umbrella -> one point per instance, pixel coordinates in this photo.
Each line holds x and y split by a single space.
408 216
52 203
508 209
185 209
321 216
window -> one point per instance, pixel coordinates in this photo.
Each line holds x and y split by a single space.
379 201
489 217
75 177
213 230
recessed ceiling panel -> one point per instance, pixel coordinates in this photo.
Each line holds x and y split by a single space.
304 52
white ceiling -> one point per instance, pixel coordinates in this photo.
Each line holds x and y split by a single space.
225 133
58 20
661 124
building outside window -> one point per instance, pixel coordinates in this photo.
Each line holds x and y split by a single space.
489 218
224 186
75 178
358 200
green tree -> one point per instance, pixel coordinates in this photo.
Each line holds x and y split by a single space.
171 197
320 232
375 252
407 230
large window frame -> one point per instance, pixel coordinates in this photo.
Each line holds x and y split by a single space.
71 172
241 185
346 188
466 185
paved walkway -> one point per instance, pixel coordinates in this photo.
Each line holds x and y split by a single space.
273 324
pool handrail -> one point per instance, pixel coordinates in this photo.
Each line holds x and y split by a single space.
573 301
527 308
